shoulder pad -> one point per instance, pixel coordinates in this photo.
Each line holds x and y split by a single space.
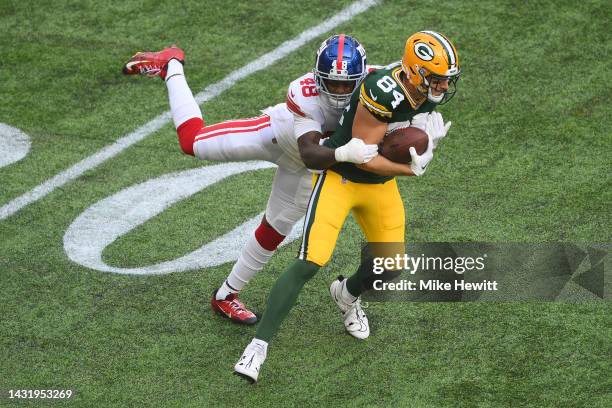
373 98
370 68
394 65
303 98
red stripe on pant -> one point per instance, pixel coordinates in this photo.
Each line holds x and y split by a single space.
236 123
234 126
194 128
230 130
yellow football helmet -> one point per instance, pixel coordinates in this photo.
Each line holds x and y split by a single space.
430 55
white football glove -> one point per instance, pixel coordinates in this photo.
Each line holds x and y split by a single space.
436 128
420 121
419 164
356 151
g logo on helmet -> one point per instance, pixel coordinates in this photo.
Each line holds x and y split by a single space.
423 51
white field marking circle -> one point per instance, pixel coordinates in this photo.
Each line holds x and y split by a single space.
207 94
14 145
108 219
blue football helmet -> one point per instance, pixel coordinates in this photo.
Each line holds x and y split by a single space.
341 60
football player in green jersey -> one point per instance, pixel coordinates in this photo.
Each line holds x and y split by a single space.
387 98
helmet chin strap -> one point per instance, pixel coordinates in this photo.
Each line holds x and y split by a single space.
433 98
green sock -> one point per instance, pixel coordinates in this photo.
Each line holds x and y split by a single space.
354 284
282 297
364 278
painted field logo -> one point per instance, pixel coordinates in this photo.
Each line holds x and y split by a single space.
14 145
423 51
111 218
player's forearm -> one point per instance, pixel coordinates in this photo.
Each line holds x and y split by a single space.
318 157
384 167
314 155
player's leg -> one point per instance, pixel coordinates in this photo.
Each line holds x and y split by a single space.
234 140
380 214
327 209
168 65
186 113
382 220
330 203
238 140
286 205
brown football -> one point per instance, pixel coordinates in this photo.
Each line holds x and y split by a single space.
396 145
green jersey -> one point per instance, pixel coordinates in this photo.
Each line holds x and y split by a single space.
384 96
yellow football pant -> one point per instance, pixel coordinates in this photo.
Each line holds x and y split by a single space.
378 209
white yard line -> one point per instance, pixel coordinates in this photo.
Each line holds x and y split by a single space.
208 93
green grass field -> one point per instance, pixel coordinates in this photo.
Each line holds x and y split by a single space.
527 160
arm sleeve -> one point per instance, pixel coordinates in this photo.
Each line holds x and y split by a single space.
307 117
303 125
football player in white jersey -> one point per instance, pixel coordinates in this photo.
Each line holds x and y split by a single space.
314 104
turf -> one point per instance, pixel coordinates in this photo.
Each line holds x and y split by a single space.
527 160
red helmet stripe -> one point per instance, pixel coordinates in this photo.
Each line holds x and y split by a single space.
340 52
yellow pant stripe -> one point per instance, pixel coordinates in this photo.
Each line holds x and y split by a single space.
309 218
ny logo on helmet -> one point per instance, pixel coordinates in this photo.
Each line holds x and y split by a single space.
423 51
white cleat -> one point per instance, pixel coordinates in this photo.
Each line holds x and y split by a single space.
249 364
355 319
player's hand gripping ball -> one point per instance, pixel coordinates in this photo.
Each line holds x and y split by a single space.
396 145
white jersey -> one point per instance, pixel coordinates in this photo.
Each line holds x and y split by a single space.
303 111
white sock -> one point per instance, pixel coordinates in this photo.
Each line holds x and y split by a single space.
182 103
345 295
224 291
252 259
174 68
